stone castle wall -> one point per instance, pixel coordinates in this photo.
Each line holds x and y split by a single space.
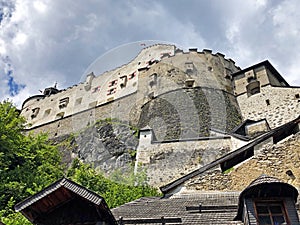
278 105
120 109
94 91
165 162
156 70
190 113
281 160
188 101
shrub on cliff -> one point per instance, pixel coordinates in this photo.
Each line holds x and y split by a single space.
114 193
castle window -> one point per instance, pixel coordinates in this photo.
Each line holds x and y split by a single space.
60 115
78 101
268 102
35 112
112 83
111 91
47 112
133 75
96 89
253 87
189 83
189 67
270 213
93 104
123 81
297 96
153 79
63 102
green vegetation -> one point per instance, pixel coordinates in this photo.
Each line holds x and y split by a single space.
117 190
228 170
29 163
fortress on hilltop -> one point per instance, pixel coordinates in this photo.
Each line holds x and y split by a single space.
196 112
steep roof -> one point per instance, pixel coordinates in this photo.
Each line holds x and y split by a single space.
209 208
58 194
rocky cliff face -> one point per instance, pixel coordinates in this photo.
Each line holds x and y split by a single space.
107 145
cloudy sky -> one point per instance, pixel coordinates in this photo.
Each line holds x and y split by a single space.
48 41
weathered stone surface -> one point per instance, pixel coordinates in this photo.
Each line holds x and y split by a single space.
107 145
274 160
190 113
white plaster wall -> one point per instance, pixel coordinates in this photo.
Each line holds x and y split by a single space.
97 94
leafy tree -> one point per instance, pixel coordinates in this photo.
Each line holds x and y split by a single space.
28 163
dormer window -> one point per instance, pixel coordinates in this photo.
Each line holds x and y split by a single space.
268 201
63 102
270 212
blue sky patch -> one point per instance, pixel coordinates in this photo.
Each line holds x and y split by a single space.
14 88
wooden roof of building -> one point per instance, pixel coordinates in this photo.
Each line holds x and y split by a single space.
56 198
188 209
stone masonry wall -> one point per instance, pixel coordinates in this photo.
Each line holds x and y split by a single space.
273 160
278 105
190 113
165 162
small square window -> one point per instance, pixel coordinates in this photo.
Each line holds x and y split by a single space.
78 101
297 96
47 112
63 102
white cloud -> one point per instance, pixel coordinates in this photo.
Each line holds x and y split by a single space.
47 41
40 6
55 41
